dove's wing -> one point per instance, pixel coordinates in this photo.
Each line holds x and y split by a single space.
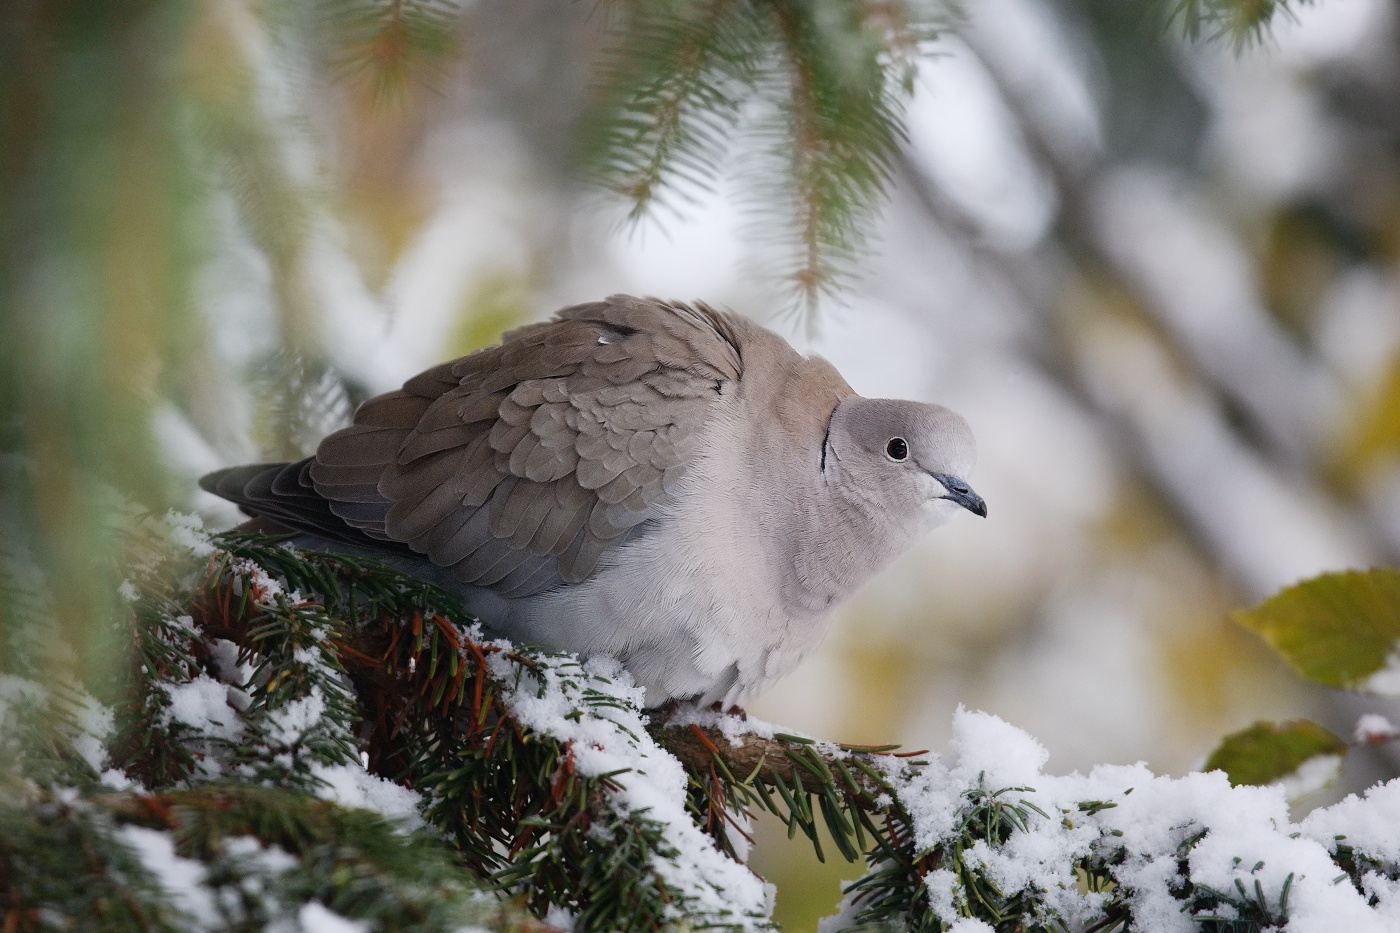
518 466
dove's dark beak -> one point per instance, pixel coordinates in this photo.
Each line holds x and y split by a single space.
961 493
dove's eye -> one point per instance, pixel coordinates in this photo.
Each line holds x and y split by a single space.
897 449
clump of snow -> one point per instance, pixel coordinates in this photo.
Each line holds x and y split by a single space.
611 738
293 719
224 654
188 532
943 892
971 925
116 779
1154 825
202 705
353 786
559 918
1370 824
266 586
274 859
1373 729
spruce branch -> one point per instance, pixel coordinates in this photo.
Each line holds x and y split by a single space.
851 791
842 101
1241 22
813 92
390 43
439 712
669 95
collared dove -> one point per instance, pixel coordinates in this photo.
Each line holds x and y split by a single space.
663 483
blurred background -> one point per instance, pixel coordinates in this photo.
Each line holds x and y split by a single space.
1160 278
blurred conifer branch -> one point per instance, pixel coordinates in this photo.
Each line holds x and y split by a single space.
390 43
807 99
1242 22
266 858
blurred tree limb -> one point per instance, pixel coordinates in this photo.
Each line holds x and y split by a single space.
813 92
94 266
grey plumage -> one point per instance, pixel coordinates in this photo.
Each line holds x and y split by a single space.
660 482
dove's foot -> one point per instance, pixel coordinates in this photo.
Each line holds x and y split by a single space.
664 712
735 710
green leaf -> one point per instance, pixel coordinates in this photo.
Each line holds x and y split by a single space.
1337 629
1267 752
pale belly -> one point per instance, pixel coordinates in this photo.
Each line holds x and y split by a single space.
686 621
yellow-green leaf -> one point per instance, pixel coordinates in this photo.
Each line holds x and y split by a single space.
1338 629
1269 752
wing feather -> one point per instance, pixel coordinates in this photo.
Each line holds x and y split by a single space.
519 466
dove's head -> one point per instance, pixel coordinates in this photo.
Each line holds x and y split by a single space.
908 458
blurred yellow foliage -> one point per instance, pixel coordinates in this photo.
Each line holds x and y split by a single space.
1374 439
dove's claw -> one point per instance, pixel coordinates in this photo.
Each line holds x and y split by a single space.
735 710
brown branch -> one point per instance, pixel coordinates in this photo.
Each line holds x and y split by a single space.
762 759
696 747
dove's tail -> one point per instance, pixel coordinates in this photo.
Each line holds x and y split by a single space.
283 494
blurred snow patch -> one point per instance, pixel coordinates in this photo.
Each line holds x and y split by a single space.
183 879
963 136
1306 35
314 917
1312 776
1272 133
1200 283
1040 61
1373 728
95 724
696 255
1223 484
355 323
1385 681
1357 330
880 353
